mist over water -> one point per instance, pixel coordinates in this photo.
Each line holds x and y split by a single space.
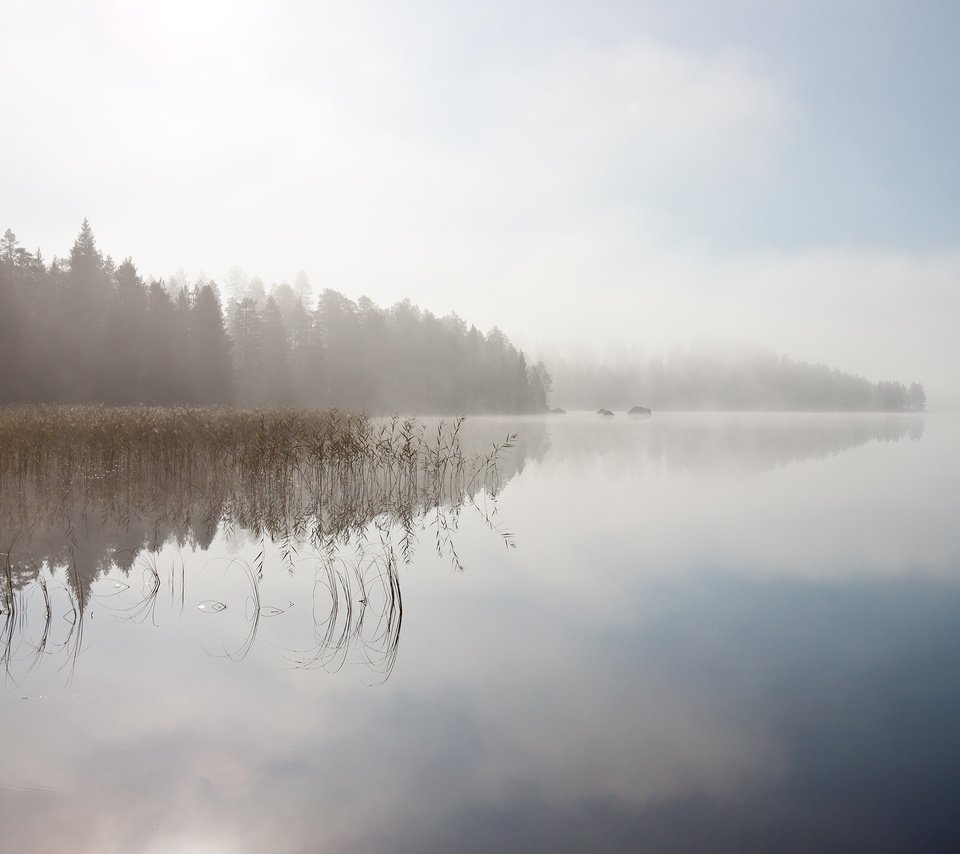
90 331
682 631
479 427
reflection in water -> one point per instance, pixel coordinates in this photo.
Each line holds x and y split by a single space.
86 512
649 670
73 519
752 441
81 512
356 606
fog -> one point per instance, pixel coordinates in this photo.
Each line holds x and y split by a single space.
576 175
457 426
86 330
754 627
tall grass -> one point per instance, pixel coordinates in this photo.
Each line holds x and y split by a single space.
294 476
88 488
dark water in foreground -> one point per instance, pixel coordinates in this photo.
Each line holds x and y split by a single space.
684 633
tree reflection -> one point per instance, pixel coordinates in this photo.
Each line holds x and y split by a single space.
86 519
83 518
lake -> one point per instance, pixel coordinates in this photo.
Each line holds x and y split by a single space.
684 632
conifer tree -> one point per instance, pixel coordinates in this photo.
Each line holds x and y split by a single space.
278 386
211 366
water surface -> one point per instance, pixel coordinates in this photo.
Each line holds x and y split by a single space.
676 633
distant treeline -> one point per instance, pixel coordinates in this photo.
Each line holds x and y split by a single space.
84 330
710 381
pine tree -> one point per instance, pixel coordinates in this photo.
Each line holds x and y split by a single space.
277 375
12 321
125 331
246 330
211 367
82 321
159 386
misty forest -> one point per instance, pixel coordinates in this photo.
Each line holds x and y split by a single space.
86 330
479 427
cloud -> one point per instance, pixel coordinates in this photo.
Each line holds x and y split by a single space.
278 135
880 314
475 162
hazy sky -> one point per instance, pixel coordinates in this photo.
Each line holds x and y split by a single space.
781 174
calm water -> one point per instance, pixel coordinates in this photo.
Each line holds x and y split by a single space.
681 633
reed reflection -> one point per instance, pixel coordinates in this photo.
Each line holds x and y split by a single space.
88 497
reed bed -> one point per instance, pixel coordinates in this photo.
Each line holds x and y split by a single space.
91 440
122 438
84 489
141 476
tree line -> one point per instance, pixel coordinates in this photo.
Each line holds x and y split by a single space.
86 330
702 380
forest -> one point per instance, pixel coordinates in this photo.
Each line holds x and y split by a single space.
86 330
717 380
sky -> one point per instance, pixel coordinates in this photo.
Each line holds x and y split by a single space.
595 178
